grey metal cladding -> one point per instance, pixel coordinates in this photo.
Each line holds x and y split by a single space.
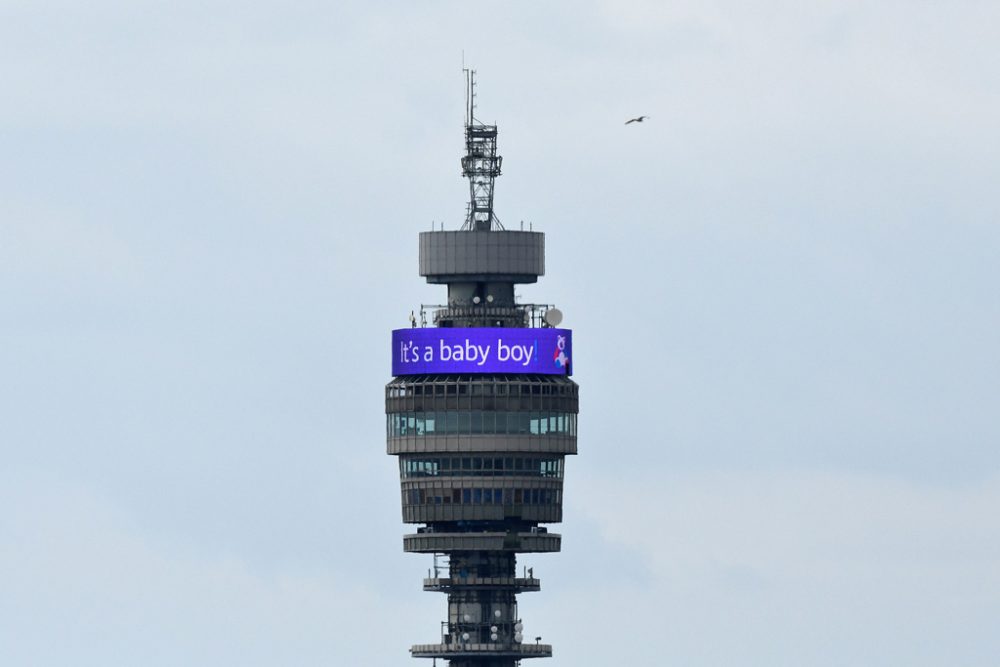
512 254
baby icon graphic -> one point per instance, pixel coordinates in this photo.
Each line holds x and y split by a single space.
559 357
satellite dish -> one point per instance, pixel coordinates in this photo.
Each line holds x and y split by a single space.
553 316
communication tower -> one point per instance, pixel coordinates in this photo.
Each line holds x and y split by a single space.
481 414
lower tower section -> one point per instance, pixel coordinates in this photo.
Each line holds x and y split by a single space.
481 464
483 626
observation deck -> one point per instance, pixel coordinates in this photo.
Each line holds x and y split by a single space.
495 650
448 584
526 542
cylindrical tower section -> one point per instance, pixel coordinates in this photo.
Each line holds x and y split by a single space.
481 415
480 269
481 448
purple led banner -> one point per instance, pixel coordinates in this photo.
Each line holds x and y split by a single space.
542 351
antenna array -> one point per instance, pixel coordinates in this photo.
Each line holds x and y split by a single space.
480 164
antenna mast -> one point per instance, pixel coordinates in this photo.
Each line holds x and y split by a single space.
480 164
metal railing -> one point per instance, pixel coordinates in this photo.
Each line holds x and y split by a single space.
532 314
498 648
477 582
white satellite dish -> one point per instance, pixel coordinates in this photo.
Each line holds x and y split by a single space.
553 316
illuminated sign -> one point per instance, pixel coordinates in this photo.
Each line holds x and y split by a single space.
486 350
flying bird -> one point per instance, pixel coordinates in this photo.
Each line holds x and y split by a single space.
636 120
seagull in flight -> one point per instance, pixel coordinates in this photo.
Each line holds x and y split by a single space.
636 120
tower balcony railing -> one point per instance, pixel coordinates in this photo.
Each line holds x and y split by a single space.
480 131
483 316
531 314
498 649
537 540
521 584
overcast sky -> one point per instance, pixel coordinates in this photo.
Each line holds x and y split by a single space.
783 288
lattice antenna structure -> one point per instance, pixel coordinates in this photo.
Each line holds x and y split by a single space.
480 164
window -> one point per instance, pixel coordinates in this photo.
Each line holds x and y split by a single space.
481 466
480 421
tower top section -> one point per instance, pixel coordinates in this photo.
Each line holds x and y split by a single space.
495 256
480 164
482 262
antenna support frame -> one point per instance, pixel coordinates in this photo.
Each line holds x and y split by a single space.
480 164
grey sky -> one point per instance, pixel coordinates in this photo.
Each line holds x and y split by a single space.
783 290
